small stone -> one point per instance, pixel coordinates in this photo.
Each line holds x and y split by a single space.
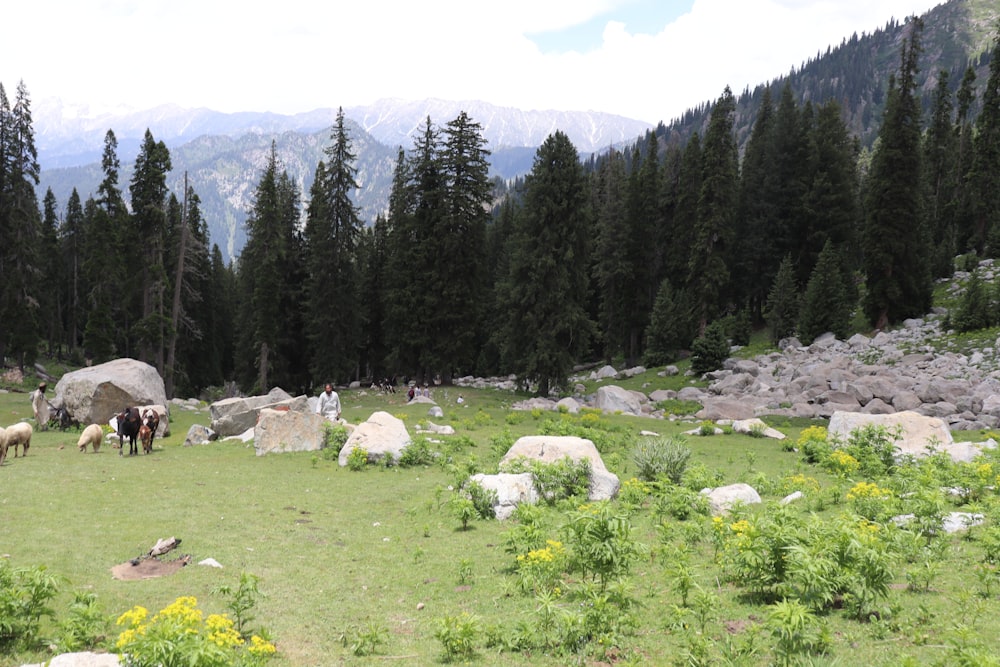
420 605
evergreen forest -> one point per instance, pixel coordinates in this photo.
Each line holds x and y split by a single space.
798 226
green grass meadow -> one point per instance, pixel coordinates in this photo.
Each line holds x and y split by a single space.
338 552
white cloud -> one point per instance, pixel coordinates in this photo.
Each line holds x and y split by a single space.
296 55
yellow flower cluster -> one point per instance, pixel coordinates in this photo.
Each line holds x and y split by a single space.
812 434
842 462
553 551
639 486
222 631
261 647
741 527
184 611
800 482
868 491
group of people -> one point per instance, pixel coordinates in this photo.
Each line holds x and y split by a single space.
416 390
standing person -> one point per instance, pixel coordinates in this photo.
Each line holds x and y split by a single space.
40 406
328 404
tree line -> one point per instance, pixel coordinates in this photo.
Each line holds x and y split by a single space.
639 255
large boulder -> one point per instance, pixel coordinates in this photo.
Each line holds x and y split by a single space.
613 398
381 435
723 498
95 394
604 484
82 659
288 431
918 432
233 416
199 434
511 490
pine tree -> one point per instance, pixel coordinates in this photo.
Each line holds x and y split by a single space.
267 326
940 155
896 246
985 174
709 275
664 334
20 230
544 294
613 260
148 189
974 309
457 274
757 215
825 306
105 231
71 254
51 296
782 310
332 233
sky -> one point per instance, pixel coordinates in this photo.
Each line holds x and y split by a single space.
648 60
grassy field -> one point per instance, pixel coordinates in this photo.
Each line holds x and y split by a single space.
341 553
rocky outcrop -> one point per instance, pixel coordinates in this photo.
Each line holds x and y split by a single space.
233 416
511 490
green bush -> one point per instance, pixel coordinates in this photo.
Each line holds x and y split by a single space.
417 453
24 596
555 481
357 459
661 457
483 499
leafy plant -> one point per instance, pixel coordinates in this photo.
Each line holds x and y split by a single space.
600 542
661 457
85 626
242 600
357 459
457 635
25 593
484 500
797 632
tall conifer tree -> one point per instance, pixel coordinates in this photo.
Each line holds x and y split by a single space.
544 294
898 278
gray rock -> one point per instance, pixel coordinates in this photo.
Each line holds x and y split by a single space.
512 490
612 398
233 416
280 431
199 435
724 498
604 484
95 394
82 659
380 435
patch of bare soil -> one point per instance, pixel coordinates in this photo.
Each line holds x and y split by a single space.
148 568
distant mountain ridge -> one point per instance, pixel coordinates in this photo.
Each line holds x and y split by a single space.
68 136
225 153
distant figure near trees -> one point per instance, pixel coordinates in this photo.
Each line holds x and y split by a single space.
329 403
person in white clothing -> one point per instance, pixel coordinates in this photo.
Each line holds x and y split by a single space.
328 404
40 406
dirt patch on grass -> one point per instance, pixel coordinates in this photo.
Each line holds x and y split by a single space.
149 568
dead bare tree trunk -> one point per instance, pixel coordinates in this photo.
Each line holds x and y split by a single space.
175 313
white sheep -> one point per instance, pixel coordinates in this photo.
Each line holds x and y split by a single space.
92 435
19 434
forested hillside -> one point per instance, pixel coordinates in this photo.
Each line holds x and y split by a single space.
676 245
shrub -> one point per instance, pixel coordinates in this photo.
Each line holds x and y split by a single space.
601 543
555 481
417 453
484 500
24 596
181 636
357 459
667 457
457 635
86 625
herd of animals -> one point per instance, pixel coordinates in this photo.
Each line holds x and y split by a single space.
134 426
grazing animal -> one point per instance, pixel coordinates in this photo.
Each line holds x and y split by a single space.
19 434
3 444
92 435
151 419
128 427
64 420
146 438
